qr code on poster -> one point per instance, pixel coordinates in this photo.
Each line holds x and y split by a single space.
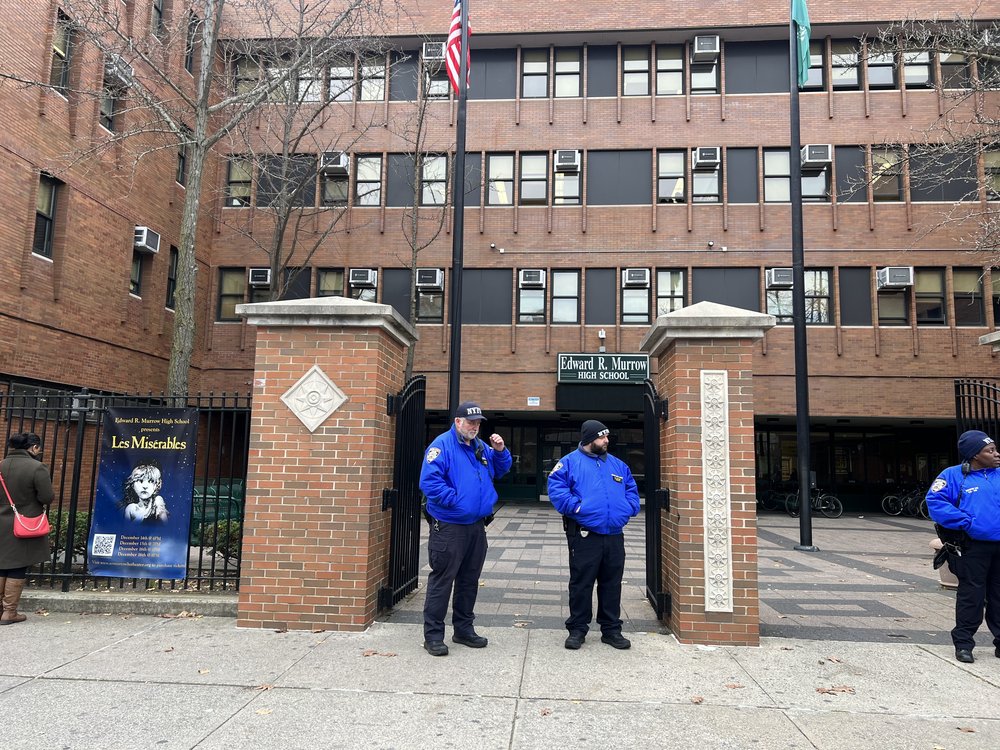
104 545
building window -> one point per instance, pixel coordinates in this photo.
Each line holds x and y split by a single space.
669 70
670 177
635 71
534 73
881 70
372 79
567 72
995 293
193 29
341 83
246 74
705 78
433 180
182 158
62 39
531 303
330 282
368 185
565 296
954 70
816 185
172 277
232 289
500 176
817 295
430 305
309 85
887 174
968 289
336 188
669 291
566 188
777 176
135 278
534 179
894 307
917 71
158 23
815 80
991 164
844 65
45 216
363 293
635 299
436 83
239 181
112 97
706 185
928 288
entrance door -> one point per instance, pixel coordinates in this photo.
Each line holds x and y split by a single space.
553 444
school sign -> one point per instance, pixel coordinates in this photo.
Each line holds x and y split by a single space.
603 368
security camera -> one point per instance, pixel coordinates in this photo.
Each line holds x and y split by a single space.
493 246
711 243
602 334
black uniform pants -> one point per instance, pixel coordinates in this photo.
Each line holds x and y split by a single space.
456 553
596 558
978 571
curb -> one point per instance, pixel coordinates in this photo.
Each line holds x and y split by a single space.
122 602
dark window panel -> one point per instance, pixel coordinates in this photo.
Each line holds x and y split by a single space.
298 283
493 74
741 164
736 287
602 71
403 76
473 173
601 296
937 175
493 308
619 178
851 182
396 290
399 188
756 67
855 297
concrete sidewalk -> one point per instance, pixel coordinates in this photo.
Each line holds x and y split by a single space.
112 681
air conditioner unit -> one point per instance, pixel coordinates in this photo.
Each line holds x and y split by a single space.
433 51
707 157
430 278
635 277
895 277
817 155
531 277
363 278
778 278
146 240
259 277
567 160
116 66
334 162
705 49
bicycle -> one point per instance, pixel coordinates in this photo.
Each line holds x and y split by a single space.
913 502
827 504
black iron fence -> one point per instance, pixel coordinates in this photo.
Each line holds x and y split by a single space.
70 425
977 406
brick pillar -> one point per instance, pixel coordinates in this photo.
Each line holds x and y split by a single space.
705 355
315 538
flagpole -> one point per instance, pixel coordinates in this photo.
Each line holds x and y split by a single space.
458 200
799 296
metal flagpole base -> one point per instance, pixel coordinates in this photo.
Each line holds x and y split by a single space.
806 548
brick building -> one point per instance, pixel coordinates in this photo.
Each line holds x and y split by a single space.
621 162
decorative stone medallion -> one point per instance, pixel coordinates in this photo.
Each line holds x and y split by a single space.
716 491
313 398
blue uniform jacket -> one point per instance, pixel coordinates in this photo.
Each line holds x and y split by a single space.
458 486
970 502
598 492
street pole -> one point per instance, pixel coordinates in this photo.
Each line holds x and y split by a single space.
458 200
799 301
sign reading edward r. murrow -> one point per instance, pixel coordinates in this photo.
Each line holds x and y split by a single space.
603 368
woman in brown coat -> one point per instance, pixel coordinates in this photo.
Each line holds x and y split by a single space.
30 487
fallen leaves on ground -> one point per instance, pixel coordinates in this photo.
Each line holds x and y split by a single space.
696 699
184 614
168 650
546 712
734 685
204 671
967 730
265 686
836 689
376 652
264 711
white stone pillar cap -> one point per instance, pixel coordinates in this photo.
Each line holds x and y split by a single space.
705 320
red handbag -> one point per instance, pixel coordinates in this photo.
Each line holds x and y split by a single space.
25 527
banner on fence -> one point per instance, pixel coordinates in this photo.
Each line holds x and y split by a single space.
142 510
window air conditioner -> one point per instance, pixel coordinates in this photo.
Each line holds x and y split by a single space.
259 277
334 162
895 277
433 51
817 155
778 278
567 160
705 49
363 278
531 277
118 68
146 240
430 278
707 157
635 277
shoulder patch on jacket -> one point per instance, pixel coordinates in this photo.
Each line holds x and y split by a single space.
939 484
559 465
433 453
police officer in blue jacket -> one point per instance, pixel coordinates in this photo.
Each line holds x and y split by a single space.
457 480
596 495
967 498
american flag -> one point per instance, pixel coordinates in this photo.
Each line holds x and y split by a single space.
453 50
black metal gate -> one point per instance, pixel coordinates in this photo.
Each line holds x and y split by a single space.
657 501
977 406
404 496
70 425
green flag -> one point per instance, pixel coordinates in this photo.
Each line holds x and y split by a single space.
800 15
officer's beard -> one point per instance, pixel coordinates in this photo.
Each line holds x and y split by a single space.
598 450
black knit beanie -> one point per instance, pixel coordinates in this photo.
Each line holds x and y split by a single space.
591 430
